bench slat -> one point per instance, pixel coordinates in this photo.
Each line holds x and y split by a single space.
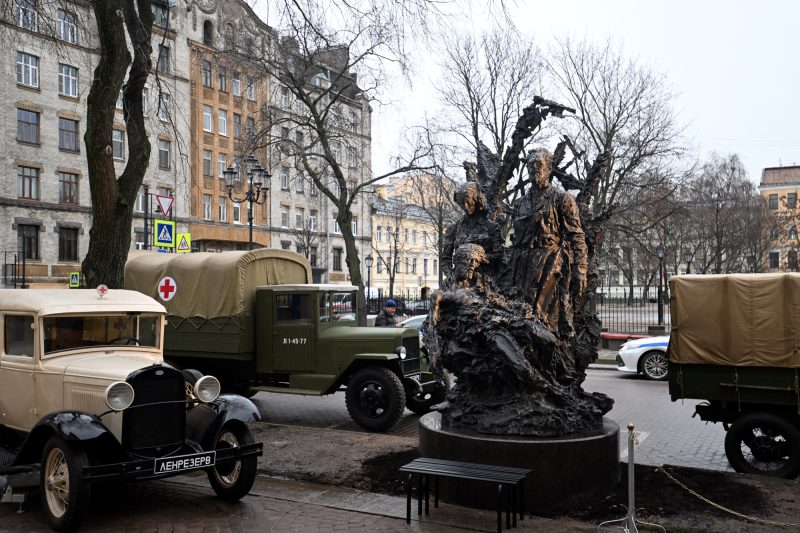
497 468
462 470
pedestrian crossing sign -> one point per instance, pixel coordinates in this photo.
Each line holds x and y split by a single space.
164 233
74 280
184 243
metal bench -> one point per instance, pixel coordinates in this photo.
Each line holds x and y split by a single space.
510 484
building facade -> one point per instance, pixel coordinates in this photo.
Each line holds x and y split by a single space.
779 187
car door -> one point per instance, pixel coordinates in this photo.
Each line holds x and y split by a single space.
17 371
293 343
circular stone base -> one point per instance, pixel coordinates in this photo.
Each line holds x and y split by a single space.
563 467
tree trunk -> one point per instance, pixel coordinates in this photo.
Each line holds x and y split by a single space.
345 220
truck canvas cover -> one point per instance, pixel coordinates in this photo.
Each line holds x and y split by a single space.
736 319
211 285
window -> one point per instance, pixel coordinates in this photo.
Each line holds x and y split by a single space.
251 90
312 188
223 209
222 77
27 69
312 220
414 265
337 259
413 236
118 144
28 183
164 153
208 33
237 126
67 26
286 245
163 58
26 14
298 139
351 187
299 107
119 104
206 67
337 151
773 201
236 85
18 335
425 238
284 216
774 260
313 256
163 106
793 233
145 101
27 126
435 266
138 206
284 133
207 163
223 122
298 184
207 119
68 134
67 188
354 225
251 127
284 97
160 14
791 259
380 265
237 213
407 269
336 228
405 234
67 244
425 267
352 157
773 234
791 200
206 207
285 178
28 240
299 217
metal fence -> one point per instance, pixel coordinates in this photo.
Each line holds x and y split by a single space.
619 313
12 268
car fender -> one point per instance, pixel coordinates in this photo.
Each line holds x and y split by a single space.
204 421
72 426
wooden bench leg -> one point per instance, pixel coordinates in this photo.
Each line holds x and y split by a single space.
436 491
508 507
499 508
513 506
427 493
409 483
419 494
522 500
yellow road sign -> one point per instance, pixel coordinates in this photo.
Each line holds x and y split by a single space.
184 243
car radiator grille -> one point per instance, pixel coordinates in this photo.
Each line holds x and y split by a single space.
155 424
411 362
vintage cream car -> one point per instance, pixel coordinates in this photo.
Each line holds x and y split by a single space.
85 393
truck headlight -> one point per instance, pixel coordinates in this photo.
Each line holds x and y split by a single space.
119 395
207 389
401 351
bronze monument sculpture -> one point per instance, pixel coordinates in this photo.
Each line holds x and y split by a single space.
512 322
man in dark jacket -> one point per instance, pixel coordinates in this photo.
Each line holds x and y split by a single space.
387 318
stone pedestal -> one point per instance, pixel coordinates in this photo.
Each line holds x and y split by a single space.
563 467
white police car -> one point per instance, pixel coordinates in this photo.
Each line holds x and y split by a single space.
647 355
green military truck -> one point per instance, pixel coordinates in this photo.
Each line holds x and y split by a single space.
735 343
253 320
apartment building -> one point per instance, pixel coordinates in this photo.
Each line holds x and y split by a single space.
779 186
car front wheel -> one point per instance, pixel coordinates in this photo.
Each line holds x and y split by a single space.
654 365
763 443
65 495
375 398
232 481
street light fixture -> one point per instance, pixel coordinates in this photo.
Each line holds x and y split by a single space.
688 256
368 261
257 183
660 253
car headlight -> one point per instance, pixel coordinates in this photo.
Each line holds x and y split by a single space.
119 395
401 351
207 389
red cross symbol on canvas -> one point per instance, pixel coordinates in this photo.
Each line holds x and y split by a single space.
167 288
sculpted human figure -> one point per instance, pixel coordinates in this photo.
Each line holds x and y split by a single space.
549 259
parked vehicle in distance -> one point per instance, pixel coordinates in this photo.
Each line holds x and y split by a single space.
415 322
647 356
86 396
253 319
734 345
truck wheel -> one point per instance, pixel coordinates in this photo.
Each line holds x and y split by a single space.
375 398
654 365
763 443
232 481
65 495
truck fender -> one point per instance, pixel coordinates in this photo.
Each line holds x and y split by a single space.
204 421
361 360
72 426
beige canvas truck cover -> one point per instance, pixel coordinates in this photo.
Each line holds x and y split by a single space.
736 319
211 285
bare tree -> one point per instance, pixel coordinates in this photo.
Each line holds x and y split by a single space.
307 239
622 108
392 213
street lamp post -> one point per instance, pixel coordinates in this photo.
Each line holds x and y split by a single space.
688 256
257 182
368 261
660 254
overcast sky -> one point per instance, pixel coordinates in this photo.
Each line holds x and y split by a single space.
733 65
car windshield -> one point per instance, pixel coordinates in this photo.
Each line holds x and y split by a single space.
71 332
